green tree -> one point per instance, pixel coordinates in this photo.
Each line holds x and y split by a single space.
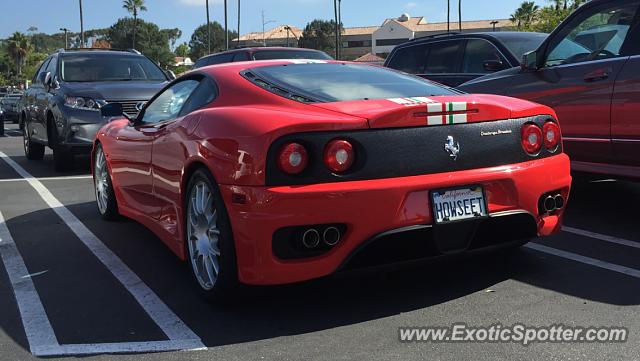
182 50
133 7
152 41
18 49
319 35
198 42
526 14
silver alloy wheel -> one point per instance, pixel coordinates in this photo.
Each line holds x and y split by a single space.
203 235
100 175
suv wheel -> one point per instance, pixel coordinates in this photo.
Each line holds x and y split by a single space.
62 157
32 150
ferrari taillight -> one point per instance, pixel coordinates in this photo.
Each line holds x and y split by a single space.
551 133
293 158
531 138
339 155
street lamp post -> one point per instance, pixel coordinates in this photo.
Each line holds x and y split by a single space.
340 28
335 11
494 24
287 28
264 40
66 38
226 29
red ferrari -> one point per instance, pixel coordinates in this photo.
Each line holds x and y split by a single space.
281 171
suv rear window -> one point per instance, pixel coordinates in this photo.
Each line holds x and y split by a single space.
331 82
289 54
108 67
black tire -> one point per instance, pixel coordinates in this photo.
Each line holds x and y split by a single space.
1 126
108 211
226 287
21 121
32 150
62 156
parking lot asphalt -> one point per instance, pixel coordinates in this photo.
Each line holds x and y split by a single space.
73 284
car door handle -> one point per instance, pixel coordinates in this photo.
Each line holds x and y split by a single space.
597 75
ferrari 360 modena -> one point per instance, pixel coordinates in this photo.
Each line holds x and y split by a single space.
282 171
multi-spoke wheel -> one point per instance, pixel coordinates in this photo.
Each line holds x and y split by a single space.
105 197
209 244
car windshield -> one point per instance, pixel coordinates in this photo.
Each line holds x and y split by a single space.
520 45
289 54
331 82
108 67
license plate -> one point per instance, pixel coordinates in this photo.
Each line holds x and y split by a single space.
458 204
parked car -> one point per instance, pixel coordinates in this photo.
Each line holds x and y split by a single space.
454 58
61 109
284 171
9 104
265 53
588 72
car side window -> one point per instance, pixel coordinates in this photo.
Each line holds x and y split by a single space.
477 53
241 56
204 94
41 69
169 103
442 57
410 59
598 34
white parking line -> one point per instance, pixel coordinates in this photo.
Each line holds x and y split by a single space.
586 260
602 237
34 319
9 180
177 332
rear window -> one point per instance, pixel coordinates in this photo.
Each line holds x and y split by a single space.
289 54
331 82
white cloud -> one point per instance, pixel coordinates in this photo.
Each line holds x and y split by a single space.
410 5
199 2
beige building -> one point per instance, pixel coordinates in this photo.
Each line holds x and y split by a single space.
377 40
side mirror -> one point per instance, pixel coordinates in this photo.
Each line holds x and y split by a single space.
42 77
530 61
171 75
493 65
112 110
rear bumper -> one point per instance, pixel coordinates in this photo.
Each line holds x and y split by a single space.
371 208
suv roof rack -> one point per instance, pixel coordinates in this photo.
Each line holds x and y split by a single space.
62 50
451 33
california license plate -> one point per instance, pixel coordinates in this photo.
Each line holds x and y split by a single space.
458 204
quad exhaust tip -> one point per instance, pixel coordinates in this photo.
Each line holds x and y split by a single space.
553 202
331 236
311 238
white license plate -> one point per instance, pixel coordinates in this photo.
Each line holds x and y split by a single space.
458 204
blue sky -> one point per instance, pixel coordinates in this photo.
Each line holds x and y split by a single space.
50 15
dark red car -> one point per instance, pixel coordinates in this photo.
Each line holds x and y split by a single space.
282 171
588 71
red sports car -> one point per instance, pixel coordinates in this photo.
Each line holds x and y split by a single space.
282 171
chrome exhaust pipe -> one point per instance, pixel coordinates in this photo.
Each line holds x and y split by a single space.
549 204
331 236
559 201
311 238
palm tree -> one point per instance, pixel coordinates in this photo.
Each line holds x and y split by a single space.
526 14
133 6
18 49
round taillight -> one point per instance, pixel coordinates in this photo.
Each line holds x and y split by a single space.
339 155
551 133
531 138
293 158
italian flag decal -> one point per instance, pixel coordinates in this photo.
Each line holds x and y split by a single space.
438 109
446 108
